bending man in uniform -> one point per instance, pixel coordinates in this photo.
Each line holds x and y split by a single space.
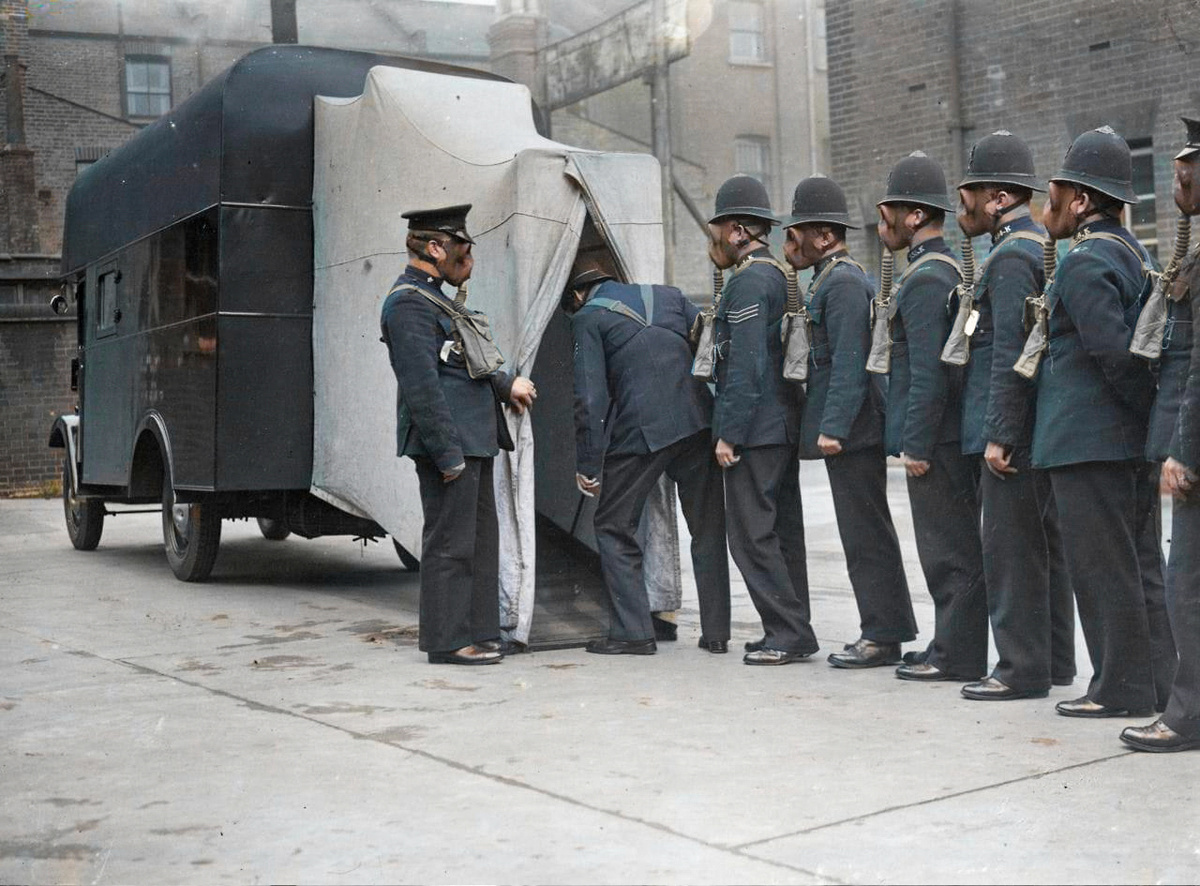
640 414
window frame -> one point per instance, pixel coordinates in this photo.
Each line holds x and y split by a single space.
759 34
149 92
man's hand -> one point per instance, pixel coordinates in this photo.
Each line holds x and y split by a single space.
997 457
1177 478
914 466
829 445
725 456
589 486
454 473
522 395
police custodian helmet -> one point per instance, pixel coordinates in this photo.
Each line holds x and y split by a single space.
1100 160
917 179
1002 159
745 196
819 199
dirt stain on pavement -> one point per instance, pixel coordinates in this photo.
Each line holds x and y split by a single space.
272 640
193 665
1045 742
376 630
186 829
220 616
438 683
61 802
560 667
282 662
317 710
397 734
47 851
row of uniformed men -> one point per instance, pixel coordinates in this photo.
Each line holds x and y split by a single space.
1025 493
1071 443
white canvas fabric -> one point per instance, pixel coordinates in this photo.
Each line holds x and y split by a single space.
418 140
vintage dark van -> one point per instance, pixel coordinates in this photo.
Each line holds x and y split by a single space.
188 255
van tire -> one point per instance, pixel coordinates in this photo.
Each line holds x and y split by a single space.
85 519
191 535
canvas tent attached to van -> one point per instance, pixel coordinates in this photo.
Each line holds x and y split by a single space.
421 140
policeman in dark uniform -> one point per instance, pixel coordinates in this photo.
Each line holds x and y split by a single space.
1178 729
1028 592
923 420
756 424
1093 402
451 425
640 413
842 422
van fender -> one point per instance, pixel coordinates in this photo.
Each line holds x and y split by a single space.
154 424
64 434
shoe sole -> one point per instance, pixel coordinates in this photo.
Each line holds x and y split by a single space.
467 662
792 660
620 651
1013 696
1102 715
858 666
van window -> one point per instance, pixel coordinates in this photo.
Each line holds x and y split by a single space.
107 311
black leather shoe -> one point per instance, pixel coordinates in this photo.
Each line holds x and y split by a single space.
1158 738
714 646
664 631
755 645
768 656
991 689
916 657
1085 707
922 673
864 653
468 655
1062 681
609 646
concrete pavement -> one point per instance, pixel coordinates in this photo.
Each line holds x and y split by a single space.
277 724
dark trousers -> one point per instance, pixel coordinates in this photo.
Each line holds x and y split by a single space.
460 557
625 485
1016 566
945 515
858 481
1098 506
1164 660
766 538
1183 708
1062 597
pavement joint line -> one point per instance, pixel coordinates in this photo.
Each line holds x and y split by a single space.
929 801
470 770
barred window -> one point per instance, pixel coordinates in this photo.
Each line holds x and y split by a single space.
147 86
1142 218
752 157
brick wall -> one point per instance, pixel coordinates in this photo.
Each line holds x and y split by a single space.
1045 71
35 366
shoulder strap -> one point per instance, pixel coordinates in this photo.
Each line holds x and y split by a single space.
928 257
648 302
794 304
1011 238
840 260
440 302
1108 235
766 260
617 307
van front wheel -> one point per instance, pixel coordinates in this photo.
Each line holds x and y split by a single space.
85 519
191 535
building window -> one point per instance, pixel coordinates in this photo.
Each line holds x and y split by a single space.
1142 218
147 86
747 42
752 157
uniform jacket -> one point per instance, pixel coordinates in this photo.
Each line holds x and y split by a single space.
1173 366
998 403
1185 443
441 412
1093 395
754 406
924 394
634 388
842 402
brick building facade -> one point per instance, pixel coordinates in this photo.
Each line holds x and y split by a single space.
937 75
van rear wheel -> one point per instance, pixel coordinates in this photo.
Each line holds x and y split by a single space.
191 535
85 519
274 530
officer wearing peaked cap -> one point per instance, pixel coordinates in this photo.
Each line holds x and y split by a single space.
639 414
756 422
451 425
1178 728
1090 430
923 418
842 422
1029 594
